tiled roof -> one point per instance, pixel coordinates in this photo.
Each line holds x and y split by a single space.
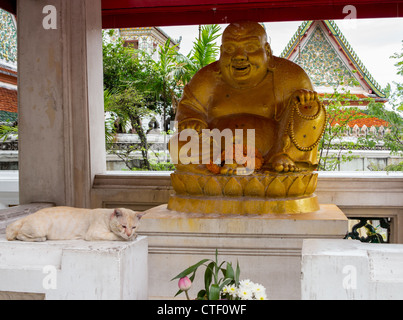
8 38
8 117
360 119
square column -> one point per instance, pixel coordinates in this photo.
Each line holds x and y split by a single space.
60 100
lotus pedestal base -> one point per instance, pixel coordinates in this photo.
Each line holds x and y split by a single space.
243 205
267 193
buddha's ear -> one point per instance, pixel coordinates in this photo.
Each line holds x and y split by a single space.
271 63
268 50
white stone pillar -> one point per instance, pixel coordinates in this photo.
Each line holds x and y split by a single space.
74 269
60 100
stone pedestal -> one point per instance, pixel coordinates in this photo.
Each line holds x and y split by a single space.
74 269
268 247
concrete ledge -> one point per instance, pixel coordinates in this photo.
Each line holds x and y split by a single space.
75 269
349 269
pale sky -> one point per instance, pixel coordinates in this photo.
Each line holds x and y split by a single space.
373 40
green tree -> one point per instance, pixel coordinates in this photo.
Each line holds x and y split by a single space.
120 65
335 148
397 96
128 96
154 86
393 138
165 85
130 106
205 51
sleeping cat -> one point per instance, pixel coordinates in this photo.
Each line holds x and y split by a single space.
66 223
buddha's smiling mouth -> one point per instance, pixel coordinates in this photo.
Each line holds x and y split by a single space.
241 69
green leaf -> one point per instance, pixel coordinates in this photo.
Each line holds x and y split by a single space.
225 282
214 292
237 273
208 276
229 272
201 295
191 278
190 269
179 292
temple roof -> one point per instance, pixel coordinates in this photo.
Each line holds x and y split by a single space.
8 40
8 68
328 58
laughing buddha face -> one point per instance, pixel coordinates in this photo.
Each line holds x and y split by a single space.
245 54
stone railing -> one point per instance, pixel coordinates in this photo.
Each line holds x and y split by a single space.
357 194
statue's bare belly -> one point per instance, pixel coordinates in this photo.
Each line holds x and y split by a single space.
264 129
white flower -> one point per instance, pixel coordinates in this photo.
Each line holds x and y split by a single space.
258 288
246 283
231 290
260 296
247 290
244 293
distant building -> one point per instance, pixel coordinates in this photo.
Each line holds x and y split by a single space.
321 49
325 54
330 61
8 68
147 39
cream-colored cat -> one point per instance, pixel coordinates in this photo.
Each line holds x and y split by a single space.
66 223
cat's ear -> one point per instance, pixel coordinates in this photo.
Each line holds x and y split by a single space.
140 214
117 213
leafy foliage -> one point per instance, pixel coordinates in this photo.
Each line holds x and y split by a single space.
397 97
6 131
130 106
205 51
340 114
136 85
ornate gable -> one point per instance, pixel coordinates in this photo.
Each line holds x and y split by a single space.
8 38
325 54
321 61
8 68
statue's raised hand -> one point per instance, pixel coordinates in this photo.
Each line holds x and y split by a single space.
307 101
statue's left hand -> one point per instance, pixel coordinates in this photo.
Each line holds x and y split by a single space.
306 99
305 96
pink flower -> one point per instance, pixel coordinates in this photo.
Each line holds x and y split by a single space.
184 284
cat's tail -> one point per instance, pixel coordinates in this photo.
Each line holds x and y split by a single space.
13 229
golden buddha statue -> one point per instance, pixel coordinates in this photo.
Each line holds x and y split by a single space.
249 89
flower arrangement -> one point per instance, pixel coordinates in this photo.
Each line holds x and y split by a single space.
228 286
246 290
